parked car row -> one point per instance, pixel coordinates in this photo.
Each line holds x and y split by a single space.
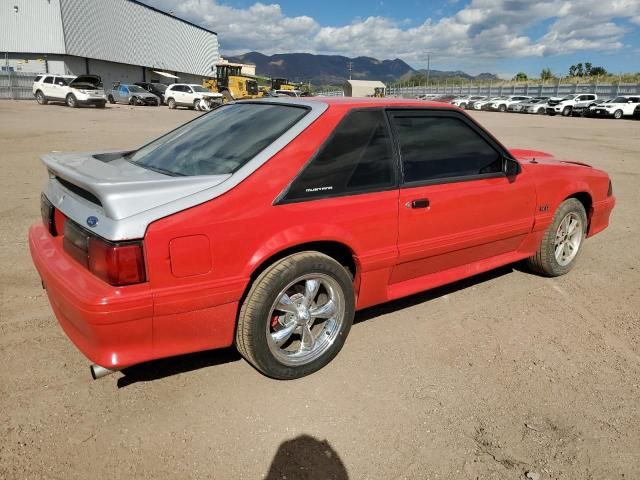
88 90
577 104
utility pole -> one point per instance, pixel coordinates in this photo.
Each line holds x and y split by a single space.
350 68
428 67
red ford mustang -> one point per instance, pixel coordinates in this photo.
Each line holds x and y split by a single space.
268 224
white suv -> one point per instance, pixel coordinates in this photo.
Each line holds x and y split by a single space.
71 89
618 107
189 95
565 105
503 105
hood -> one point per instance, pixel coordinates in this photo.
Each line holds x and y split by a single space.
537 156
119 187
84 80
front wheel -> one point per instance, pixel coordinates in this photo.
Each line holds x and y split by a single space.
566 112
171 103
617 114
296 316
502 108
111 99
562 241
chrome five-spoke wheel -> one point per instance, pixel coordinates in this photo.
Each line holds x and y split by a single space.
297 315
305 319
568 239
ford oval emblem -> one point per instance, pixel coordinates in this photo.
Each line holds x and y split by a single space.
92 221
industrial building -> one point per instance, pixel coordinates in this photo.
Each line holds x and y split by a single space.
120 40
364 88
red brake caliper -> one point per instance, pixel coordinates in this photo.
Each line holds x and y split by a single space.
275 320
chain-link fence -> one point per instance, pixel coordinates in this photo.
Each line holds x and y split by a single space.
16 85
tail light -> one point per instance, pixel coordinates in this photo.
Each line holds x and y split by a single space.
118 264
52 218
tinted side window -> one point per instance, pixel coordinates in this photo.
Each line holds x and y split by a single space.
357 158
38 78
48 80
437 147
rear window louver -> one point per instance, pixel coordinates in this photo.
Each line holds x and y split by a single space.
81 192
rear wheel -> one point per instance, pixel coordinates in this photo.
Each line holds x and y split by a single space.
562 241
171 103
71 101
296 316
566 111
40 98
111 99
502 108
617 114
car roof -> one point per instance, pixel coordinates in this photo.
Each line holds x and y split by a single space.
348 103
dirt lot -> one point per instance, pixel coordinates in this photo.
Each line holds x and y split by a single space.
493 377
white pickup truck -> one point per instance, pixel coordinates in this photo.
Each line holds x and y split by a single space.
566 104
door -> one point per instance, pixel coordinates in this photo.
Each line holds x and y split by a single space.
123 94
47 86
58 89
456 204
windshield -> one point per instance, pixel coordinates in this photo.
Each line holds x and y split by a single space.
136 88
198 88
219 142
568 97
620 100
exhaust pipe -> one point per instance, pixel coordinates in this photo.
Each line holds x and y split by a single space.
98 372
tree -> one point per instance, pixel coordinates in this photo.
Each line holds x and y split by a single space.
520 76
587 68
572 70
598 71
579 70
546 74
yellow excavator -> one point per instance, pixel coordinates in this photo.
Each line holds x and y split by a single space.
232 84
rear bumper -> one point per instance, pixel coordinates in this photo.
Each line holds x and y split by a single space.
600 215
115 326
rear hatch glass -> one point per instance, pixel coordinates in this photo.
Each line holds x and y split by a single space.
219 142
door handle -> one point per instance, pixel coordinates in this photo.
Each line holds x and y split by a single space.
418 203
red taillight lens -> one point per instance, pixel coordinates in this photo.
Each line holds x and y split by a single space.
116 264
46 211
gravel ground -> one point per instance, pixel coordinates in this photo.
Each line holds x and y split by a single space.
494 377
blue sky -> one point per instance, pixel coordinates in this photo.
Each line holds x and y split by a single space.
498 36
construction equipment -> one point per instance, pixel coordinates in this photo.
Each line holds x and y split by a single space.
281 84
232 84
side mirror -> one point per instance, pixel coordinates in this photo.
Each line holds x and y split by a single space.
510 167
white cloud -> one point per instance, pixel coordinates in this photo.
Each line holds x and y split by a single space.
484 31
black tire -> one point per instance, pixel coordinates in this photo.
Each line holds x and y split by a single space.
617 114
133 101
40 98
71 101
171 103
101 104
111 99
195 104
502 108
251 333
544 262
541 111
227 96
566 111
551 113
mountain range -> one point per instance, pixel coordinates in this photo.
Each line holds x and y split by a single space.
334 69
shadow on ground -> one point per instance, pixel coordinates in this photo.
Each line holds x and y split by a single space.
166 367
306 458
